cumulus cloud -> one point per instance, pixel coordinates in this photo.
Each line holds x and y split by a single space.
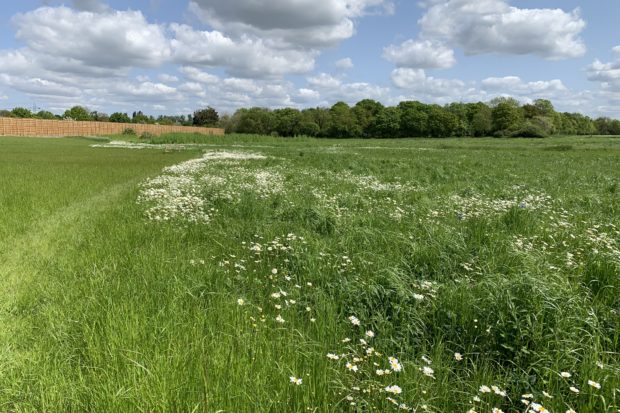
164 77
416 80
420 54
245 57
345 63
83 40
607 74
514 86
301 23
324 81
493 26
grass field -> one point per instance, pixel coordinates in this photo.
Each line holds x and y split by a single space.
257 274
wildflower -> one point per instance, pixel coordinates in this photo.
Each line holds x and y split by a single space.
565 374
279 319
570 411
308 309
295 380
274 271
393 389
497 391
594 384
427 360
574 389
496 410
535 407
394 364
428 371
370 334
600 365
380 372
527 396
332 356
458 356
354 320
240 301
312 320
278 307
484 389
525 402
476 399
547 395
352 367
276 295
472 410
346 340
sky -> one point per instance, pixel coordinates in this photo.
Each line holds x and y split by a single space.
173 57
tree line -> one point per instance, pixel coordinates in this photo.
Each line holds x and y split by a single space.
501 117
202 117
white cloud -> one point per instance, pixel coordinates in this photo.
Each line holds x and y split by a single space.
297 23
144 89
416 80
420 54
345 63
80 40
307 95
608 77
514 85
324 81
197 75
493 26
38 86
164 77
246 57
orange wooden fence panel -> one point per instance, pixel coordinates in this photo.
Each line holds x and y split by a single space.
58 128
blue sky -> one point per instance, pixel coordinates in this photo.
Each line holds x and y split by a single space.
163 56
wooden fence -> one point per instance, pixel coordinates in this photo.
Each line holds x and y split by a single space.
57 128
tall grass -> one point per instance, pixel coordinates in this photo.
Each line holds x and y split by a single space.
493 249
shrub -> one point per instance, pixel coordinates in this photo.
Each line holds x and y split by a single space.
129 131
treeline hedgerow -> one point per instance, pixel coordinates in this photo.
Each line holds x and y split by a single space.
502 117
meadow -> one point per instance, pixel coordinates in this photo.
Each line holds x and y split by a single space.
258 274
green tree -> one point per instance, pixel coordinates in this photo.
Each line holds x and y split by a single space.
79 113
286 121
44 114
21 113
343 122
507 116
366 112
119 117
254 120
441 122
139 117
481 119
413 119
387 123
206 117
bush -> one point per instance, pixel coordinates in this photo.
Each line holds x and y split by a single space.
147 136
129 131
